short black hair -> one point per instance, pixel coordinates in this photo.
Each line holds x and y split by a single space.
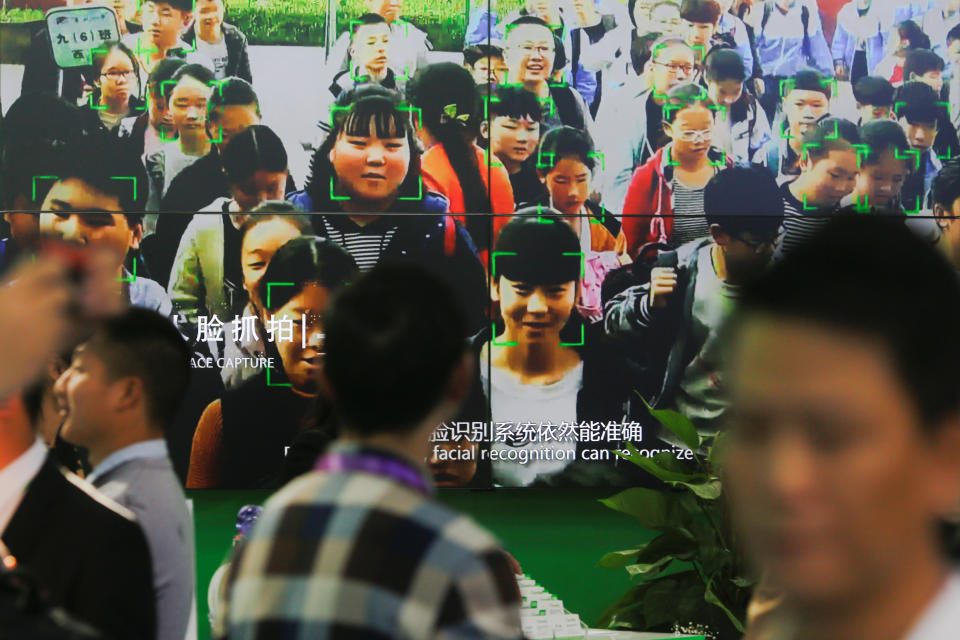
953 34
231 92
874 91
564 141
157 81
916 102
945 189
700 11
527 20
921 61
302 261
724 64
397 332
911 32
196 71
514 102
810 80
105 164
684 96
145 344
838 279
830 134
255 148
364 20
537 247
299 221
483 50
744 200
880 136
180 5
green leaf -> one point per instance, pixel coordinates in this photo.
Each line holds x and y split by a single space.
665 597
627 611
617 559
677 423
651 467
648 569
653 509
709 490
743 583
711 597
678 543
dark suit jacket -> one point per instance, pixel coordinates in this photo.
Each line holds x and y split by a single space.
88 553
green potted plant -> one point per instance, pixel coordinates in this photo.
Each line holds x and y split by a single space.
689 577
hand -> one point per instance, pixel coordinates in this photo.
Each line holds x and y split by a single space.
758 86
840 70
663 282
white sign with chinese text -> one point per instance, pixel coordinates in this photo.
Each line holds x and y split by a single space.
76 31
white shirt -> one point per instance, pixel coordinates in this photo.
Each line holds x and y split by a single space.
15 477
941 620
217 52
146 449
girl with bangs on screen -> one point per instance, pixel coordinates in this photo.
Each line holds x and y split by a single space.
116 81
242 440
369 167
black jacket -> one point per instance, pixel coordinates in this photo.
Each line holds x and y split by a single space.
90 558
424 240
238 59
604 397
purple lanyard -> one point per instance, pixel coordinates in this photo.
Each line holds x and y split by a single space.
375 463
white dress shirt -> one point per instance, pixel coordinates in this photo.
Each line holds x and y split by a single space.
146 449
15 477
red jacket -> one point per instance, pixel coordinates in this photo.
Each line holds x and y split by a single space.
648 208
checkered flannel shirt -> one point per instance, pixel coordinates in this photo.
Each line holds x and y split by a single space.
357 555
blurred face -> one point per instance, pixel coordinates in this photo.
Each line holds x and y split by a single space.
540 8
832 177
932 79
725 92
87 398
514 139
569 185
953 53
665 20
803 108
453 464
948 219
534 313
262 185
829 475
117 79
231 120
488 69
880 183
699 33
300 363
641 14
370 47
94 229
259 246
920 135
188 105
869 113
369 167
162 25
23 226
691 131
672 65
208 15
529 53
389 9
746 254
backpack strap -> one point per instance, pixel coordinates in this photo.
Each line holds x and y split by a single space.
449 235
567 106
804 18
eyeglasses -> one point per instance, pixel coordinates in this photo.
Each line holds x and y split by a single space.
117 76
542 49
694 135
687 69
756 246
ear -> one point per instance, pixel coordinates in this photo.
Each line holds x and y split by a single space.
137 236
495 289
668 129
485 129
721 237
127 393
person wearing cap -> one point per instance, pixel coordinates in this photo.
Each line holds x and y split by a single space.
546 366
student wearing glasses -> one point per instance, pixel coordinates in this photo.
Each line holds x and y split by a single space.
665 199
116 83
631 116
674 320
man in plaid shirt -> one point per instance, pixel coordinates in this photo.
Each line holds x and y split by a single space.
359 548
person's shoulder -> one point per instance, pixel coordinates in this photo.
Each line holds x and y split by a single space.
434 202
76 500
300 199
148 294
233 32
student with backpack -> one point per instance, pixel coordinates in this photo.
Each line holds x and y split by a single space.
790 37
859 40
670 322
741 126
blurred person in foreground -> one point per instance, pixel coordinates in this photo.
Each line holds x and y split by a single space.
843 457
360 543
85 552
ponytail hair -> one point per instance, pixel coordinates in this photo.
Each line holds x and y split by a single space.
450 109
